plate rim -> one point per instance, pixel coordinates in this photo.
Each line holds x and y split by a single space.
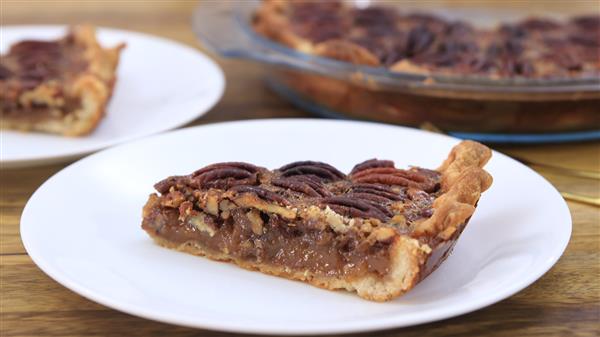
381 323
33 161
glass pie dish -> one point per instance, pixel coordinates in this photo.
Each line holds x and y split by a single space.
472 106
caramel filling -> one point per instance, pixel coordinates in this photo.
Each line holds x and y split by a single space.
274 241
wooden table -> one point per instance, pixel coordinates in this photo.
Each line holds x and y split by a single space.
565 301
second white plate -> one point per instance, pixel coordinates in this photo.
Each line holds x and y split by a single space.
82 227
161 85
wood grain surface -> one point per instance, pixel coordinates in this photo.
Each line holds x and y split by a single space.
564 302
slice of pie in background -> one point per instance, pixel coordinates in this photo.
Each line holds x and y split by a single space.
60 86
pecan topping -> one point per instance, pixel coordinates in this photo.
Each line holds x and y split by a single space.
319 21
164 185
368 196
420 38
349 206
261 193
394 176
374 190
309 185
5 72
591 23
539 24
324 171
33 62
371 163
378 190
225 175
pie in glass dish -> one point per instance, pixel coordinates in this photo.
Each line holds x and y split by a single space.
377 231
390 62
60 86
383 36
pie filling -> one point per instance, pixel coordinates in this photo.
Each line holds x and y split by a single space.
279 242
303 217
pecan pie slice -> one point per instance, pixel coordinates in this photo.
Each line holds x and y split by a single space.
59 86
378 230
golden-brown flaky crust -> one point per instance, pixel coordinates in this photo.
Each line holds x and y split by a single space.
92 87
411 258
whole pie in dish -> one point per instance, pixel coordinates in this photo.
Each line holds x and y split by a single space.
378 230
422 43
59 86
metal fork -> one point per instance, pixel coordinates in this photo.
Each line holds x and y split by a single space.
581 198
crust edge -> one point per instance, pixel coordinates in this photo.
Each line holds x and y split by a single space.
463 181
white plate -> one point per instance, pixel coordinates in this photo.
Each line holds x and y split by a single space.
82 227
161 85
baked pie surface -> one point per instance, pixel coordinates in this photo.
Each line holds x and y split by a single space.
377 231
59 86
423 43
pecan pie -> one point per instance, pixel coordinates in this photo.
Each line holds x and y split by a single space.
377 231
59 86
423 43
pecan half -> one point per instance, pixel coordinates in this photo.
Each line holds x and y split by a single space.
309 185
368 197
261 193
371 163
378 190
225 175
164 185
394 176
324 171
590 23
356 208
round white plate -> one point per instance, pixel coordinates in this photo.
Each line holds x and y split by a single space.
161 85
82 227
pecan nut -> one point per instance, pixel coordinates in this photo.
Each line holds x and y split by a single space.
309 185
165 185
263 200
393 176
261 193
371 163
378 190
225 175
357 208
323 171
